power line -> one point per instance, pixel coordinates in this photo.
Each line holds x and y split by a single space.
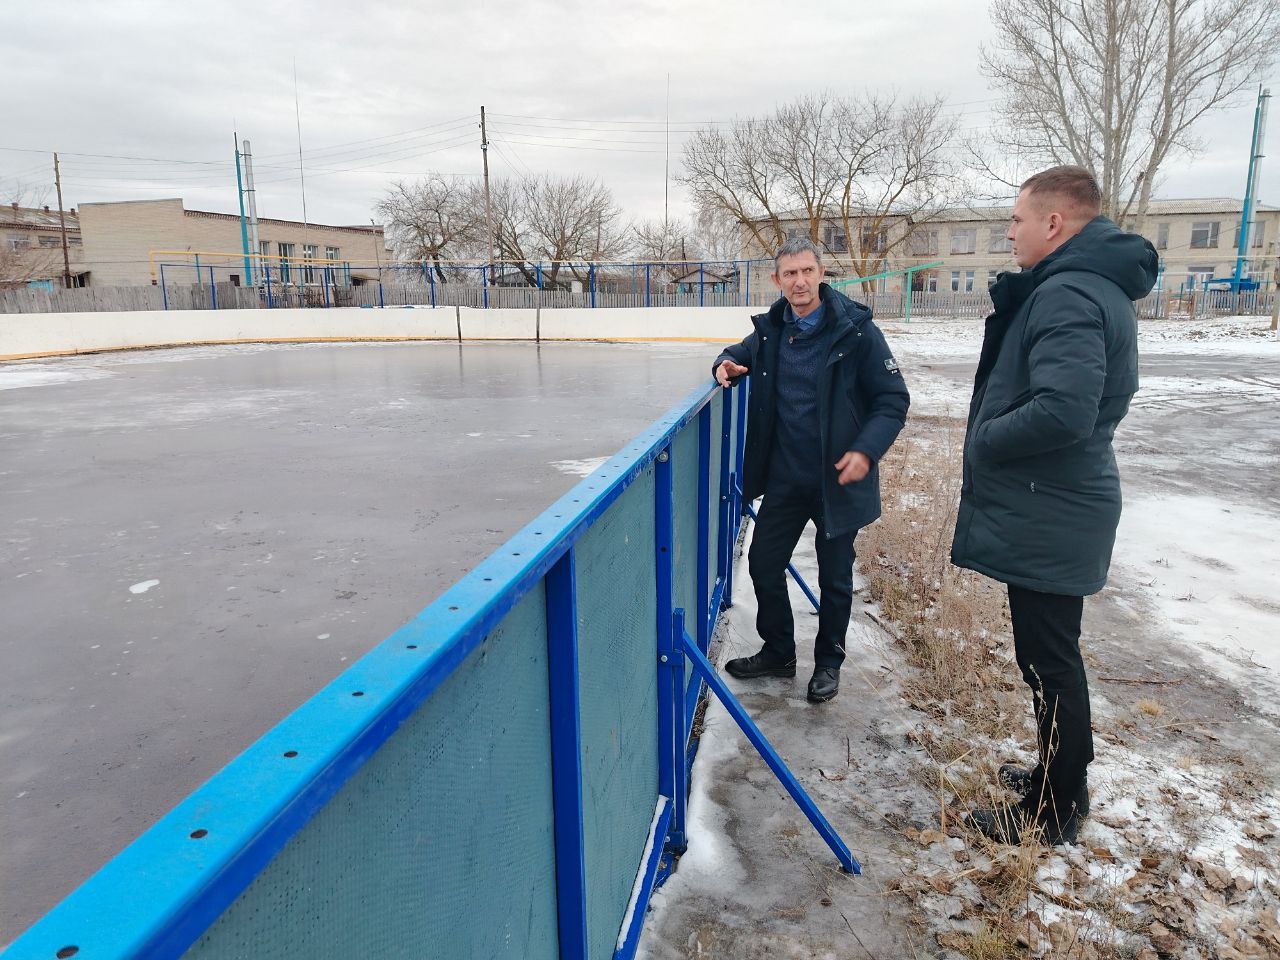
568 146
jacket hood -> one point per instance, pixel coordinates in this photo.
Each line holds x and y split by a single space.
1126 259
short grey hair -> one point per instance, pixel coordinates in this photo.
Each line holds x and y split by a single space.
794 245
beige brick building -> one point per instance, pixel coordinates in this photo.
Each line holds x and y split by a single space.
1196 240
126 241
31 248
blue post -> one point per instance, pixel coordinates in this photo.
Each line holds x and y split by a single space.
537 272
591 275
199 275
672 777
704 527
702 284
747 301
213 289
266 269
770 756
164 291
566 756
324 282
431 278
646 284
380 301
724 554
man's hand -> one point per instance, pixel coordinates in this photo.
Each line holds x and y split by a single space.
853 466
729 370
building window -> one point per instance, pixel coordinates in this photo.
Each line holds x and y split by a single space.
16 242
835 239
285 251
931 284
874 241
797 232
74 242
992 276
964 241
1258 231
50 242
955 281
1162 236
924 243
1000 242
308 269
1204 234
968 281
331 253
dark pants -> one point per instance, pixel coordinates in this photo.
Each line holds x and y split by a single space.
782 519
1046 640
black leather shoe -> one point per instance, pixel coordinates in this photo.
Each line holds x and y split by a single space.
1018 780
824 685
762 664
1010 823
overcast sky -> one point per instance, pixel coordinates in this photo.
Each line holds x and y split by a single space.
392 89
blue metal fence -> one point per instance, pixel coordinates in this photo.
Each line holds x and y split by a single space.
501 777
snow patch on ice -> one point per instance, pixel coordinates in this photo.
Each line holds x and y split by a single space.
144 586
579 468
17 375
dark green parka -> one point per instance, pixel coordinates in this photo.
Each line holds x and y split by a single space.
1040 499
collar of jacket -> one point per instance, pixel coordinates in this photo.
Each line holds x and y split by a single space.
845 315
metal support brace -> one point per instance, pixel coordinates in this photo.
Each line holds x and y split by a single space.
767 753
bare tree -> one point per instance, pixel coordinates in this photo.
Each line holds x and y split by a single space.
847 171
22 257
431 219
1117 86
717 235
564 222
656 242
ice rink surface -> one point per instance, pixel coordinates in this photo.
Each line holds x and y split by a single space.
196 540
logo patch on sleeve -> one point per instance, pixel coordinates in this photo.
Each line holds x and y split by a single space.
891 365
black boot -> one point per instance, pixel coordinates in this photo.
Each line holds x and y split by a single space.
762 664
1019 780
1010 823
824 685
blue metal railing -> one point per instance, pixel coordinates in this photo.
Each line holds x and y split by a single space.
188 880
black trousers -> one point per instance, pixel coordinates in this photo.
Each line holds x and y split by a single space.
782 519
1046 640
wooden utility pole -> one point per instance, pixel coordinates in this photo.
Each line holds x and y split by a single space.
62 221
488 207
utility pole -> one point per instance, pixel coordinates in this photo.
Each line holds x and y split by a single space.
488 207
244 225
1251 185
258 262
62 222
666 167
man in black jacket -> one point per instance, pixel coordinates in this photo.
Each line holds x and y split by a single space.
827 401
1040 499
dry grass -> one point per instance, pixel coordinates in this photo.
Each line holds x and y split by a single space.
1030 900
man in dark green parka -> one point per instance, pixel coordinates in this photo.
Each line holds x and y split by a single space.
1040 499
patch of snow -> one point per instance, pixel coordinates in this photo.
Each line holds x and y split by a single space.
579 468
14 376
144 586
1210 569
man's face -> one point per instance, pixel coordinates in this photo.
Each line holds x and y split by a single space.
797 275
1036 228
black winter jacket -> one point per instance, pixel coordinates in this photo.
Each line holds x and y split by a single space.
862 405
1040 500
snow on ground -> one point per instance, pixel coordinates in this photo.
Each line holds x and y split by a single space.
1210 568
16 375
938 338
